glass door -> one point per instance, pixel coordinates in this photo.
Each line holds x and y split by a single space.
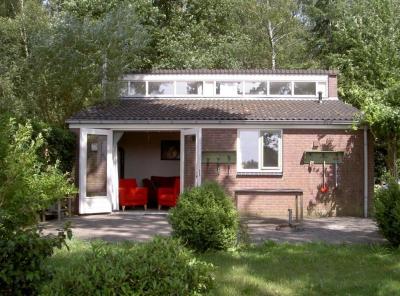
190 158
95 167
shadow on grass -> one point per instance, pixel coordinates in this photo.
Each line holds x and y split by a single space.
307 269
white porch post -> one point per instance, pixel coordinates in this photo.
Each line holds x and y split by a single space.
115 174
365 171
198 155
182 162
197 133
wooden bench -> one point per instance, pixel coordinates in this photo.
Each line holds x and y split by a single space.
296 192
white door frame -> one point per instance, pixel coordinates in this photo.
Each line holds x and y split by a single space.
94 204
197 132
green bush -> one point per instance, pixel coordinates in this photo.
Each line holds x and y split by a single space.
205 218
29 183
387 212
22 257
160 267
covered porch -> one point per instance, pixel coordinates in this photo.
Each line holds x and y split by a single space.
147 160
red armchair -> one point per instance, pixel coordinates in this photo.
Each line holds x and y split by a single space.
131 195
168 196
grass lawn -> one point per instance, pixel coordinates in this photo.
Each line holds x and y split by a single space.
307 269
287 269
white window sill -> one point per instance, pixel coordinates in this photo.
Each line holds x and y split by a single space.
260 173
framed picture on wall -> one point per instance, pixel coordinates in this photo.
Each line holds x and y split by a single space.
170 150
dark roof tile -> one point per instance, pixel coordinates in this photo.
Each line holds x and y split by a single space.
218 109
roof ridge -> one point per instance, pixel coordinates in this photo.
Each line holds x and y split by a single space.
235 71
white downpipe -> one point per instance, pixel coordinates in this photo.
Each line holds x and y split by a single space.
365 172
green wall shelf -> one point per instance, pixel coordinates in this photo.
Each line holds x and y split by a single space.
318 157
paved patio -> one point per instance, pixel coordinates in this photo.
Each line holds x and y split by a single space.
142 226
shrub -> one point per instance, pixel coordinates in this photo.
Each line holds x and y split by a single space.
160 267
387 212
205 218
28 183
22 255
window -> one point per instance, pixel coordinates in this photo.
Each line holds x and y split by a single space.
189 88
124 88
249 151
260 151
161 88
271 141
304 88
256 88
280 88
137 88
229 88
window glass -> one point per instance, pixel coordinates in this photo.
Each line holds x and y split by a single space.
189 88
229 88
280 88
249 149
256 88
161 88
304 88
96 166
271 142
137 88
124 88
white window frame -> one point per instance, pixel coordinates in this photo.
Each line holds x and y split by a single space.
243 79
261 168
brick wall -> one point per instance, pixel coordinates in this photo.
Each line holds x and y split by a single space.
332 86
190 158
346 199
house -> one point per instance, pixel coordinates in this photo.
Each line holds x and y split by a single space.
268 136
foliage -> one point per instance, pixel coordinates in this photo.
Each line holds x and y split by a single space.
22 259
205 218
59 144
361 39
160 267
307 269
387 212
27 183
63 62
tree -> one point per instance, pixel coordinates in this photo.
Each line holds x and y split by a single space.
362 39
65 62
281 22
28 183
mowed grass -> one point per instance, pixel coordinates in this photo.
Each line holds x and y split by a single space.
307 269
289 269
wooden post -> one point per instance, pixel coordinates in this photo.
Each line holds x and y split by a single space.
59 210
301 206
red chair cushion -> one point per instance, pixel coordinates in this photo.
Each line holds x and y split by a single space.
130 194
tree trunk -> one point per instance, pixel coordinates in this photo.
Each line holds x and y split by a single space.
273 44
23 30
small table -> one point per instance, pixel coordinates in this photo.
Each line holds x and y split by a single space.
296 192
